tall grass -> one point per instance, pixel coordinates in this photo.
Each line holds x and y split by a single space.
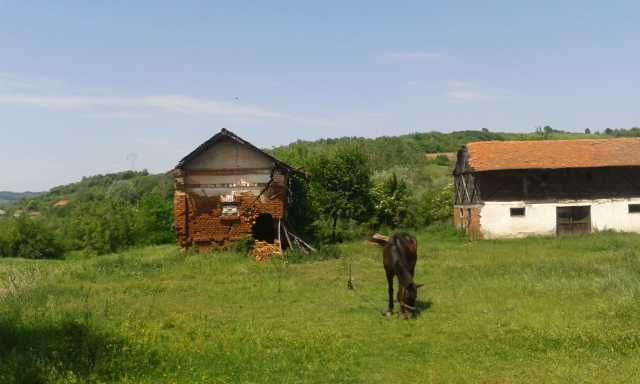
534 310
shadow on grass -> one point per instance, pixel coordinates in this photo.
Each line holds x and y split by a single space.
49 351
422 306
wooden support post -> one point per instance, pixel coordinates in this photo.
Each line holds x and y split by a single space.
286 235
279 238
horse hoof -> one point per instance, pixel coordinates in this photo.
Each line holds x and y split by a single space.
388 314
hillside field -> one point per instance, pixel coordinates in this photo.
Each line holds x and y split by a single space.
536 310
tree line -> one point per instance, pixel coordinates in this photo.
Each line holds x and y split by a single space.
100 214
354 186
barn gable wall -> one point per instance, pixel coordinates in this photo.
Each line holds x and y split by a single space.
228 154
228 175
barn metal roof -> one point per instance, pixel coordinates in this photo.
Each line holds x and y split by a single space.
553 154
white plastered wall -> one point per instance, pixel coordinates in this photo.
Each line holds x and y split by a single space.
540 218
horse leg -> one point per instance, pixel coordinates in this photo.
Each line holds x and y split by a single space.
401 298
390 290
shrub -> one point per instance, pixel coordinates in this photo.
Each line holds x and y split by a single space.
242 246
442 160
103 227
390 201
435 205
30 239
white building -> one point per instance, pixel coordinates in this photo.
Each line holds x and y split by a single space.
523 188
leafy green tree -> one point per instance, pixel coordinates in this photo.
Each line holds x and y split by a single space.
301 212
390 201
340 185
154 220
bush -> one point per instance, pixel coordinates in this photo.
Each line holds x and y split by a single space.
435 206
390 201
242 246
30 239
102 227
325 252
442 160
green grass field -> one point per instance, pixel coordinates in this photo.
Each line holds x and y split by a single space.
535 310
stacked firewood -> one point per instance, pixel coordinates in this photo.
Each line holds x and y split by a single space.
263 251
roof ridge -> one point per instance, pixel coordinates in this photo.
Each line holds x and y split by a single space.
555 140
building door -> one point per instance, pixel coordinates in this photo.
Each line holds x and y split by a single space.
573 220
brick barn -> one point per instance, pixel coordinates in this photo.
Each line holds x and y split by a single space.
522 188
227 189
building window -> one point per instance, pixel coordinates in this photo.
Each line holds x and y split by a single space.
517 212
229 210
634 208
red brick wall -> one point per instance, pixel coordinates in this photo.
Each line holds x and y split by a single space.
199 221
468 219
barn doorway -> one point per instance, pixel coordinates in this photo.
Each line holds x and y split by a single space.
264 229
573 220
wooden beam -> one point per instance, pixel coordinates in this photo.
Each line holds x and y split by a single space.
466 192
225 171
286 235
284 258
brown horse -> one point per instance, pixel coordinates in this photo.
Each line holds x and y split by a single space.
399 259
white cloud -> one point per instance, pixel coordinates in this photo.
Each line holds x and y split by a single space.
14 82
190 105
464 92
170 103
416 58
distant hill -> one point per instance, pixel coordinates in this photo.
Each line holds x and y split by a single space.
7 197
389 151
128 186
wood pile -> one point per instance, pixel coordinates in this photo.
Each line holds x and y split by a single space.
263 251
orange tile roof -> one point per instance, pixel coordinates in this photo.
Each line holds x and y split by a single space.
553 154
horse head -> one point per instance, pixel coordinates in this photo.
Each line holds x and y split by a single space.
409 297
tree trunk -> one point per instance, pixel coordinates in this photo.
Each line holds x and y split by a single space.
335 222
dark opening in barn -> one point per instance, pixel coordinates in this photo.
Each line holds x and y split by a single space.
573 220
264 229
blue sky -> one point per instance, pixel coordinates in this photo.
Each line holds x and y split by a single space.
85 84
